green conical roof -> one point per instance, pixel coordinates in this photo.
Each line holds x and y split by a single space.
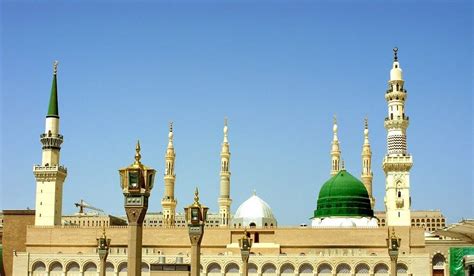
343 195
53 110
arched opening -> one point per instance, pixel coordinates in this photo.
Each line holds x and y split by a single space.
438 263
252 268
109 269
232 268
287 269
213 268
402 269
306 268
324 269
122 269
39 269
252 225
343 269
381 270
362 270
72 269
55 269
268 269
90 269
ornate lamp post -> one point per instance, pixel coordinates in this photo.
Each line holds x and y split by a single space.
393 243
245 245
196 215
136 182
103 245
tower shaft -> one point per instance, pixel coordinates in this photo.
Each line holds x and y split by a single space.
224 196
335 151
50 175
397 162
169 202
367 174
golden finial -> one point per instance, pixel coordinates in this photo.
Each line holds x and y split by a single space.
245 233
343 167
393 233
196 196
137 153
103 231
225 121
395 51
171 126
55 67
334 119
366 123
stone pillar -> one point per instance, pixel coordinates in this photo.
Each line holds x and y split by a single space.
393 265
134 261
195 256
245 267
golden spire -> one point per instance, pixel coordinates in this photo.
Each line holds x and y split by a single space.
55 67
196 196
137 153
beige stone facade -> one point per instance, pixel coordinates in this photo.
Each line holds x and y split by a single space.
430 220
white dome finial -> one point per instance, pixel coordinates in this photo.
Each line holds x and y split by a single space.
226 130
170 136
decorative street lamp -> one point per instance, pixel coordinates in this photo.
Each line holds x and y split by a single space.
196 215
136 182
103 245
245 245
393 244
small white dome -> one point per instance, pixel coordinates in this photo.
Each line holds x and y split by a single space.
396 73
254 208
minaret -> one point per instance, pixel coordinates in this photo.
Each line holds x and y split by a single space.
398 162
335 151
367 174
224 197
50 175
169 202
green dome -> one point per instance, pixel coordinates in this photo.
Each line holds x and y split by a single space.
343 195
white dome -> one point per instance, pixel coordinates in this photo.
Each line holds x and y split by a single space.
254 208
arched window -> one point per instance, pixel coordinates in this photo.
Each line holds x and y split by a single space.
39 266
402 268
55 266
232 268
109 267
252 268
145 267
343 269
268 268
380 269
73 266
362 269
306 268
287 268
214 268
324 268
90 268
252 225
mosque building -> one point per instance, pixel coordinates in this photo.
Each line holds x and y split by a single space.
345 237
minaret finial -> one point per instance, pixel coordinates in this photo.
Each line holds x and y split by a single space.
171 126
137 153
343 167
196 196
55 67
170 136
254 192
366 123
334 128
226 130
395 51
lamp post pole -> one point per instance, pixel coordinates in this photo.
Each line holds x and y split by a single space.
196 215
245 245
393 244
103 245
136 182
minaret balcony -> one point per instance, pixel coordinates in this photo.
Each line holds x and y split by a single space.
51 168
396 95
400 122
51 141
397 163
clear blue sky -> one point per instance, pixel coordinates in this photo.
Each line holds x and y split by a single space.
278 70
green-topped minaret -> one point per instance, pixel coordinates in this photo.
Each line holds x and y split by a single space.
53 110
50 175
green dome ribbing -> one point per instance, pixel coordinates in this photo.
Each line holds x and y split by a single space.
53 100
343 195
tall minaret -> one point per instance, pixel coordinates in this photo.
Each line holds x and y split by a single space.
224 197
50 175
335 151
367 175
169 202
398 162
